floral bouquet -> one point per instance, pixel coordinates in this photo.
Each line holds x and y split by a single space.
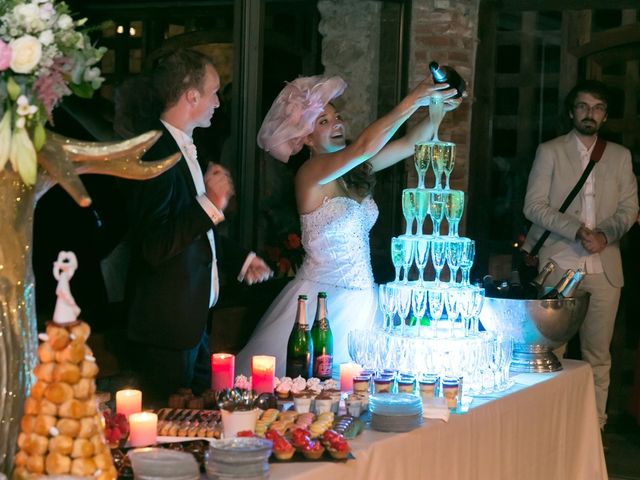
287 255
43 57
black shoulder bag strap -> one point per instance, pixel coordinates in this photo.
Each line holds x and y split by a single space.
596 155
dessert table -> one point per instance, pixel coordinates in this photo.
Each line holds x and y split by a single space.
543 427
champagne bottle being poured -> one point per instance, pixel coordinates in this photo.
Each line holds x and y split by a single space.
446 74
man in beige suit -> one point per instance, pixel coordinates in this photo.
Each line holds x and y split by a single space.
588 233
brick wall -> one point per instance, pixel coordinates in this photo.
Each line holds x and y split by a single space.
446 31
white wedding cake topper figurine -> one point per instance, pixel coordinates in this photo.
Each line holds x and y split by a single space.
66 310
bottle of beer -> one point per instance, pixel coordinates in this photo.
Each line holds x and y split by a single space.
489 286
554 293
300 345
515 287
322 340
535 288
572 286
502 290
446 74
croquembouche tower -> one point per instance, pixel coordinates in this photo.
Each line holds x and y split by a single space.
61 432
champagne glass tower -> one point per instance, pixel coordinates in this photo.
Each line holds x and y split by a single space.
431 320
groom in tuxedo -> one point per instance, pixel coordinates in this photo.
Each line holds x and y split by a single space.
173 281
587 235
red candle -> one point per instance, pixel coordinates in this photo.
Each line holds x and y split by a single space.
263 373
222 370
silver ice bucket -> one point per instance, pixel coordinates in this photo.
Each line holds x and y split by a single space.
536 326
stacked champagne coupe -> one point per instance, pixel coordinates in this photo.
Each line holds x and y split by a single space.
430 326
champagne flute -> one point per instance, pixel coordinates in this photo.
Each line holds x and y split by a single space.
419 305
436 210
451 302
447 156
478 301
422 160
454 206
403 304
436 306
397 252
421 208
466 260
442 158
453 254
386 301
408 250
422 256
438 257
436 113
409 208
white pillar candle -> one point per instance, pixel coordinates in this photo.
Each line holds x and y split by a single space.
128 402
347 372
143 429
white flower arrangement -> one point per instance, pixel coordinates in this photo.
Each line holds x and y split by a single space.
43 57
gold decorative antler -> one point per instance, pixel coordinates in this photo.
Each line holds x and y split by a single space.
64 159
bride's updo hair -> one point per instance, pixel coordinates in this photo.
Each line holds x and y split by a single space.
361 179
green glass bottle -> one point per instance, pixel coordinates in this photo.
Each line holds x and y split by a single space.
322 340
300 345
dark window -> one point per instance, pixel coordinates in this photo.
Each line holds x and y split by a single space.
548 58
506 101
508 59
605 19
547 21
509 22
505 142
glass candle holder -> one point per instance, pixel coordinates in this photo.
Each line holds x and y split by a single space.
382 384
428 385
406 385
361 383
451 391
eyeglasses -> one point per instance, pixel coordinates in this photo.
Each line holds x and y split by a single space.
600 108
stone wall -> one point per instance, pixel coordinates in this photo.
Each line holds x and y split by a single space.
351 48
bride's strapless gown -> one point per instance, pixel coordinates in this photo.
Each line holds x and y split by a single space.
337 260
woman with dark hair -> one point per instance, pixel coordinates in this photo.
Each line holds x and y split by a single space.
333 196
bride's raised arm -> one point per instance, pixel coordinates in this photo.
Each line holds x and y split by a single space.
326 166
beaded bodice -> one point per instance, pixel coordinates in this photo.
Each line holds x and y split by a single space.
335 237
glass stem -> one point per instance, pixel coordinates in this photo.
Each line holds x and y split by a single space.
397 275
454 274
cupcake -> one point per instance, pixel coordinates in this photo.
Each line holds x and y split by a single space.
283 389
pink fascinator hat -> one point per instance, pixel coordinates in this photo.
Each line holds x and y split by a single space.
293 113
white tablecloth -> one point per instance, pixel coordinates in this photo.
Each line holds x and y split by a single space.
542 428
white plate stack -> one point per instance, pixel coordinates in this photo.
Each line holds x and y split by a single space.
395 412
238 458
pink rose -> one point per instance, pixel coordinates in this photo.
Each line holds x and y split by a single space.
5 56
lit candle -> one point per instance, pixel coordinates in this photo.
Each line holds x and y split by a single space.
222 371
143 429
128 402
347 372
263 370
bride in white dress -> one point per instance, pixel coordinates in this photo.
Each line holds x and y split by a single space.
333 195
